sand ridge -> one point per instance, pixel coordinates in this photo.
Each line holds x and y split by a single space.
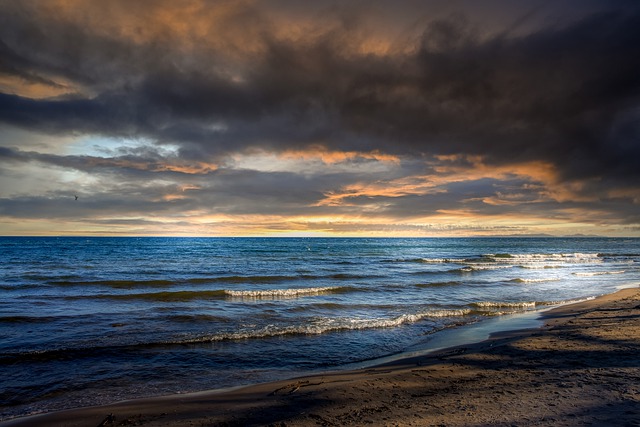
581 368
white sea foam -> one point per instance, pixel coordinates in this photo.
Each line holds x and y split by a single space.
572 258
551 260
540 280
569 301
492 304
440 260
540 266
322 326
489 267
282 293
402 319
599 273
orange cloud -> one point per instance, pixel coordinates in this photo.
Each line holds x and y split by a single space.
459 169
181 194
191 168
36 88
391 188
543 175
333 157
235 30
625 193
470 167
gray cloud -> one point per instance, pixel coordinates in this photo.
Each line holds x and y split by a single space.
568 95
140 186
565 92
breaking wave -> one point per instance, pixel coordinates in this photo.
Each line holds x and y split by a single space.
503 304
189 295
484 305
325 326
571 258
540 280
598 273
508 260
288 293
313 327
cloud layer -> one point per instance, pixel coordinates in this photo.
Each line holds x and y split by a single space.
366 117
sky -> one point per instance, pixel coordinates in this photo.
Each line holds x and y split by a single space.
327 118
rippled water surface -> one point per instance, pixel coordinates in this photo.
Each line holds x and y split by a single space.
85 321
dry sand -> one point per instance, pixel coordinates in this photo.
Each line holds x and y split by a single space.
582 368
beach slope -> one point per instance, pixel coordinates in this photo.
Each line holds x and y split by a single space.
581 368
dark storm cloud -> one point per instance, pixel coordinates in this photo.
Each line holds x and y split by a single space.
568 95
13 64
68 116
564 93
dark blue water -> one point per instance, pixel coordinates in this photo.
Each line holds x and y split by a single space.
85 321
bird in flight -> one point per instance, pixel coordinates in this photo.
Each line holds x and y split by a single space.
76 197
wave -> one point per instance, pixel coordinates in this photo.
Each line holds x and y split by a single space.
288 293
481 267
428 260
415 260
541 280
178 296
438 260
536 261
574 257
568 301
501 304
599 273
315 327
623 255
508 260
484 305
477 268
325 326
540 266
506 255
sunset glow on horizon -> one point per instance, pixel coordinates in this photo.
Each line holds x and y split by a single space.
286 118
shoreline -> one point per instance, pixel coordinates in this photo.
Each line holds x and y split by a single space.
579 367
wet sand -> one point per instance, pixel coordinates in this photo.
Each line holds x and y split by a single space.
582 368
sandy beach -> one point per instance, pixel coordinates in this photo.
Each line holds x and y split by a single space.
581 368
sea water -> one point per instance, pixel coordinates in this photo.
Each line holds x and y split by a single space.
86 321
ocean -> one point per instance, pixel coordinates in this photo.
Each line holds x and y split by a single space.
94 320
